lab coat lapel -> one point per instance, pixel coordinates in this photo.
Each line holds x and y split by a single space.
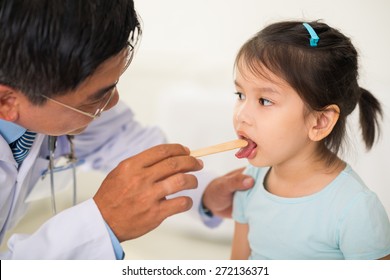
23 184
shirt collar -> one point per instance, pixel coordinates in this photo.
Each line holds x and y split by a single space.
10 131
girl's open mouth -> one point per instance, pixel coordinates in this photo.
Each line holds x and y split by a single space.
247 151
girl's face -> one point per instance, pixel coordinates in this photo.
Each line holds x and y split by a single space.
270 113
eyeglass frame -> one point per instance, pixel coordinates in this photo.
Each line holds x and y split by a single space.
98 110
93 116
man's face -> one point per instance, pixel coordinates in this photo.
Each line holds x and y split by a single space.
52 118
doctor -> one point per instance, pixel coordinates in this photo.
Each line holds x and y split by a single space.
60 62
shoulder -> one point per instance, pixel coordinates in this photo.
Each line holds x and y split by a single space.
347 193
356 197
349 184
242 198
258 174
363 224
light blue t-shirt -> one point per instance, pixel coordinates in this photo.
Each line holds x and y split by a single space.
345 220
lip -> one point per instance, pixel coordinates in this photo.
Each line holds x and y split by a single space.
243 135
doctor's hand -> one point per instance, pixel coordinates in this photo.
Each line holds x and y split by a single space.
218 195
132 198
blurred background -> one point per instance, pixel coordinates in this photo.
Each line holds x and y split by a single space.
181 79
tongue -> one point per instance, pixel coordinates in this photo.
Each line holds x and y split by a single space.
246 151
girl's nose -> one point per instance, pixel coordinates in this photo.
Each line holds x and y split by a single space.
242 113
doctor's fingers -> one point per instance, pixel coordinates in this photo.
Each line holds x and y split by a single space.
172 206
158 153
173 165
174 184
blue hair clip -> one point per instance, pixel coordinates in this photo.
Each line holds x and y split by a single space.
314 37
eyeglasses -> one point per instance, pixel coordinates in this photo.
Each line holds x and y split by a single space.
130 50
98 111
129 57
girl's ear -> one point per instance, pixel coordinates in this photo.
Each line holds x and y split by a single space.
9 101
322 122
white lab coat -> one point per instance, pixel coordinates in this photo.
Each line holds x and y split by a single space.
78 232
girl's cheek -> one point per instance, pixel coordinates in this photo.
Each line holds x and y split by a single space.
235 116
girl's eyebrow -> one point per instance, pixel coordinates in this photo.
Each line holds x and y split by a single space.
260 89
237 84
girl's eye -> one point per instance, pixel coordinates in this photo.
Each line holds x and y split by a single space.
265 102
240 95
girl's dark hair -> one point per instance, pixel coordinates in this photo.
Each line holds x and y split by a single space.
322 75
51 46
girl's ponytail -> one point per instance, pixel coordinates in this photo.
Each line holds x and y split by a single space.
370 111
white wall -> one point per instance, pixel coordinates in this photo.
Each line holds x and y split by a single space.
181 76
181 79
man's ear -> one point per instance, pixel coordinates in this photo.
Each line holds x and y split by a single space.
322 122
9 101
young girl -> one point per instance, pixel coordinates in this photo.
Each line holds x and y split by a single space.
296 84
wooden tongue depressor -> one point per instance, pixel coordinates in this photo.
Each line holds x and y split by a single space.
238 143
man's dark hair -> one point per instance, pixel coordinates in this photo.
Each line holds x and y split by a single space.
51 46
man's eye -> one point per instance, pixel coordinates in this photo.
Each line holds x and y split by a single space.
101 101
91 105
265 102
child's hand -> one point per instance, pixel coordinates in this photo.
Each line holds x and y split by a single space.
218 196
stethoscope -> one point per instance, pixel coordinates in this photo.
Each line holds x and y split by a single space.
71 162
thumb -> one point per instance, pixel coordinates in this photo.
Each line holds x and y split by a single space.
240 182
247 182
